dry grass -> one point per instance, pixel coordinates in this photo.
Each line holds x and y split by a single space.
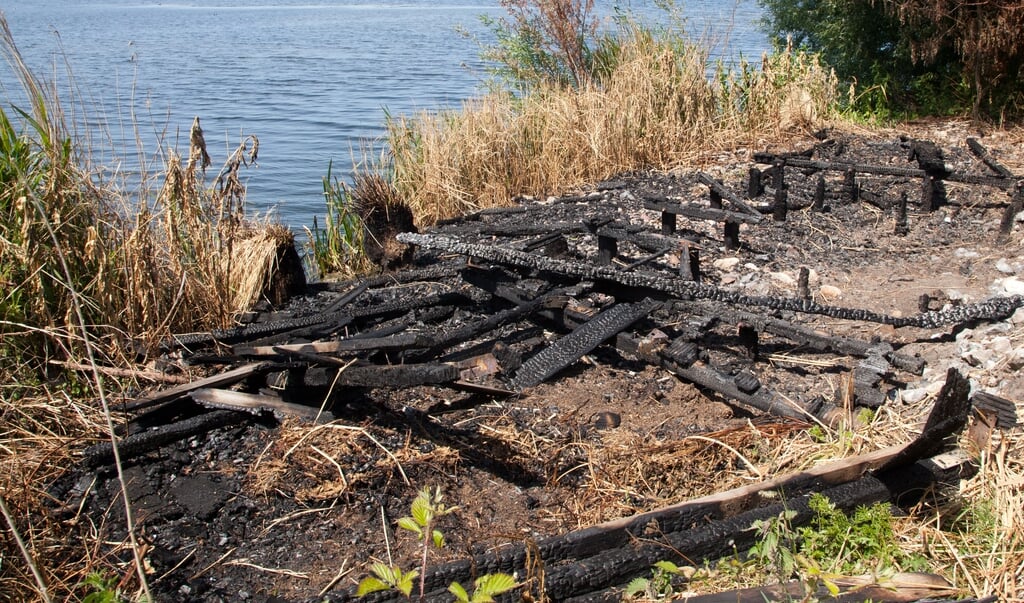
658 109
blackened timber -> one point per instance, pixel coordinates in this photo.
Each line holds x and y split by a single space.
256 330
636 235
700 212
726 194
886 170
582 340
398 376
762 399
1015 207
219 380
996 308
982 153
146 441
1005 411
821 342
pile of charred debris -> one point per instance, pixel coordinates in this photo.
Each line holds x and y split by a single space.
500 301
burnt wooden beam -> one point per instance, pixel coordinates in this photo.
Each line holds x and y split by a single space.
1015 207
823 342
219 380
996 308
723 193
146 441
885 170
256 404
399 375
983 154
581 341
779 206
697 211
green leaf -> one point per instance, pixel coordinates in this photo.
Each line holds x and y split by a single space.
489 585
369 585
408 523
460 593
438 538
387 574
421 509
667 566
405 583
637 586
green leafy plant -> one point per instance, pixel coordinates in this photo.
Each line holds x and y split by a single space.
426 508
104 589
339 244
661 583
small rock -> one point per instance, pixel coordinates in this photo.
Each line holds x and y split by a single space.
782 279
1018 317
1003 265
830 292
1015 361
1012 286
969 254
726 264
977 355
728 279
913 396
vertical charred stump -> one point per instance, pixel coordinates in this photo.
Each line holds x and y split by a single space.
754 186
780 208
732 235
902 225
929 158
689 262
819 194
607 249
668 223
850 186
1015 207
803 283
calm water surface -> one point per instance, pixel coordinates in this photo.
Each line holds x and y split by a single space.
310 78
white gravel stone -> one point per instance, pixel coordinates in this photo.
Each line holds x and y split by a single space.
1003 265
726 264
830 292
782 279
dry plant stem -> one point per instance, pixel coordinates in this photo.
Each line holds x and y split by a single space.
40 583
101 392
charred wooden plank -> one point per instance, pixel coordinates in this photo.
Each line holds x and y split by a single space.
1005 411
254 330
728 195
256 404
697 211
583 340
885 170
1015 207
219 380
398 376
996 308
982 153
140 443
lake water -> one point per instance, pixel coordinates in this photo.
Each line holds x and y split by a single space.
310 78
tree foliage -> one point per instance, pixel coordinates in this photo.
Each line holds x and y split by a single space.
914 56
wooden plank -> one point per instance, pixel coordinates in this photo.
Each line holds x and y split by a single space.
700 212
254 403
218 380
726 194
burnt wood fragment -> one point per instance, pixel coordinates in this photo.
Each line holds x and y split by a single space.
819 194
982 153
902 225
219 380
581 341
697 211
140 443
256 404
754 186
779 207
1015 207
1005 411
398 376
254 330
721 193
886 170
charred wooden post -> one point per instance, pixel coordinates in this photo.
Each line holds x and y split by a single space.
731 235
929 158
690 258
714 198
1015 207
803 283
754 187
668 223
780 207
719 192
607 249
748 338
850 186
902 224
924 302
819 194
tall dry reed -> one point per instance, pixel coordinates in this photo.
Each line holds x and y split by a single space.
662 106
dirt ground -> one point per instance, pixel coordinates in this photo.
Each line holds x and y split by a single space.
293 511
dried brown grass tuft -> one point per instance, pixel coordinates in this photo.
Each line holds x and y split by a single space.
658 109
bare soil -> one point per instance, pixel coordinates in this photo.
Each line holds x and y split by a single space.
270 511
